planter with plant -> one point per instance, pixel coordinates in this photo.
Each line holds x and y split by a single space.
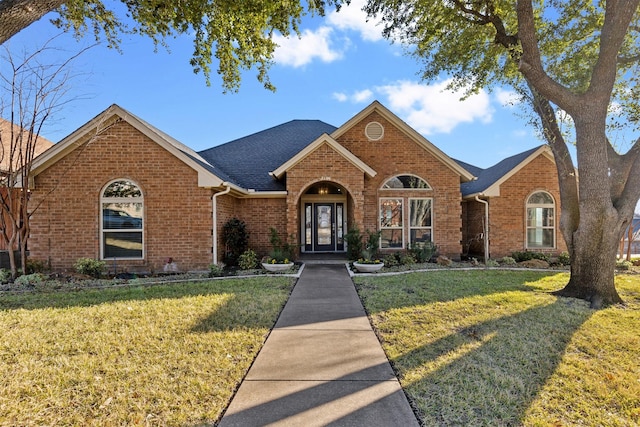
370 261
281 256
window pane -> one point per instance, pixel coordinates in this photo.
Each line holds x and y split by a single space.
405 181
391 238
540 198
123 244
390 213
420 235
119 216
540 238
420 213
122 189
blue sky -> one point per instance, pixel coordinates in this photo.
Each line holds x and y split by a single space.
337 67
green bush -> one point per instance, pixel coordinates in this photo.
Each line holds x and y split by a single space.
407 259
36 266
90 267
491 263
507 260
527 256
422 252
353 238
216 271
29 279
236 240
282 251
5 275
623 265
372 246
248 260
390 260
564 258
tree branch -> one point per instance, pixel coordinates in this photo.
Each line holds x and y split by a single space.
18 14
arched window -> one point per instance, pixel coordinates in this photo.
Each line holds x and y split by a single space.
541 220
121 221
406 182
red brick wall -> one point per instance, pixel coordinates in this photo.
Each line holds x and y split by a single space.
397 154
177 213
507 215
260 215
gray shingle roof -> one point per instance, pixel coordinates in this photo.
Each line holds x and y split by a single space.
488 177
247 161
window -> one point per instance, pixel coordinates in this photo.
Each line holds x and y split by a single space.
540 221
419 221
411 182
391 223
121 216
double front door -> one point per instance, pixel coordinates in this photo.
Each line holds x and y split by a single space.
324 227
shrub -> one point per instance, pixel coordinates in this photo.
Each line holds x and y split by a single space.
507 260
353 238
390 260
36 266
564 258
491 263
248 260
444 261
90 267
282 251
372 246
422 252
5 275
407 259
216 271
527 256
30 279
236 240
623 265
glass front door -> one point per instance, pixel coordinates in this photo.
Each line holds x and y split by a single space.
323 227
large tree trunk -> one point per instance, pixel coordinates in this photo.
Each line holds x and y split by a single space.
593 256
15 15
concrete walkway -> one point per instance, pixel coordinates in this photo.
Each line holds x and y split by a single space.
322 364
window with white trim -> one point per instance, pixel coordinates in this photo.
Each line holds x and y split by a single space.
391 223
540 221
406 182
121 221
420 226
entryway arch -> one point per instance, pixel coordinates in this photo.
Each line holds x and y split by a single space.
324 214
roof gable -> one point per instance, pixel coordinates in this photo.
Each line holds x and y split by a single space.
207 175
11 131
489 180
309 149
465 175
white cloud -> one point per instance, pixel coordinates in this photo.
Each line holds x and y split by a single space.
299 51
433 109
352 17
340 97
507 98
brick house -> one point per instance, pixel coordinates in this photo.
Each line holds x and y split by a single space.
121 190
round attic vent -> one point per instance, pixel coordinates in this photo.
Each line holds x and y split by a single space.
374 131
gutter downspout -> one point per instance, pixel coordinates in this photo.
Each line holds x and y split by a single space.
486 228
215 220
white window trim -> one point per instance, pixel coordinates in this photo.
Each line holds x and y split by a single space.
104 200
427 188
409 227
402 222
526 220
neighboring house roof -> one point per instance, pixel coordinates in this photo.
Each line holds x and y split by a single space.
248 161
488 180
208 176
42 144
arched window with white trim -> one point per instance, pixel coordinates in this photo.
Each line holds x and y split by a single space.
541 221
121 221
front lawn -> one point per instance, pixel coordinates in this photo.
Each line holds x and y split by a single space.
159 355
494 348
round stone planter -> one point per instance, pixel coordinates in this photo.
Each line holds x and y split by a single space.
368 268
277 267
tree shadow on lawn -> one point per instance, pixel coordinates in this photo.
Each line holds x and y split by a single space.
242 306
489 373
442 285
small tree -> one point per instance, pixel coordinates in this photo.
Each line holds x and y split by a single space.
31 92
236 240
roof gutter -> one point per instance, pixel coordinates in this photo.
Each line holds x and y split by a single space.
486 228
214 233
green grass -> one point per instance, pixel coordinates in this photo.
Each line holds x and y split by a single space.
495 348
160 355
